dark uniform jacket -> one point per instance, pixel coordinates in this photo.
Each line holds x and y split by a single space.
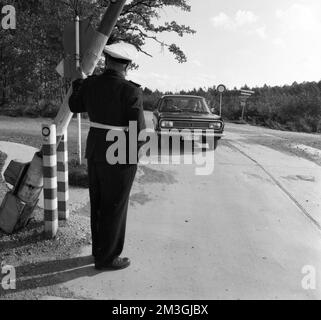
111 100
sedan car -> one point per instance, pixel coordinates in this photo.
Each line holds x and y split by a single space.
190 116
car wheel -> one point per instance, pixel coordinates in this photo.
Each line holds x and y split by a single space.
213 144
159 138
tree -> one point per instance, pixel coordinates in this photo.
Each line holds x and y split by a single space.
137 24
30 54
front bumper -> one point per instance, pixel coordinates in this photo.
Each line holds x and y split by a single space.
190 133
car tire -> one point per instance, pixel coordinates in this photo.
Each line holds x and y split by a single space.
159 139
213 144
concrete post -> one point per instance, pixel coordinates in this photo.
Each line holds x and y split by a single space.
62 178
49 159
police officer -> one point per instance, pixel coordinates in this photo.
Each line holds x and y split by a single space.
111 102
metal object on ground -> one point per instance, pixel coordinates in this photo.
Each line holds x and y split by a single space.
10 211
32 182
14 172
14 213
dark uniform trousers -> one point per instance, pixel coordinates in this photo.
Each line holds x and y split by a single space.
109 99
110 187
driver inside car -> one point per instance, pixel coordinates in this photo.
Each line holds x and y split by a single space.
168 105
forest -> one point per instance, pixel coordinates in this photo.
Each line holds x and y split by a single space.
29 54
295 107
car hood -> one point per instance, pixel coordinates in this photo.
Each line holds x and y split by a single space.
189 116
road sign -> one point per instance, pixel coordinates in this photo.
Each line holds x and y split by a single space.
245 95
68 67
244 98
221 88
246 92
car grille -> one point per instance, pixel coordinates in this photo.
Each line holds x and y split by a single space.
190 125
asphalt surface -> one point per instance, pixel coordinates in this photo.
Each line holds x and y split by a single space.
246 231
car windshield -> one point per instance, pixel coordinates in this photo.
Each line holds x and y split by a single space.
183 104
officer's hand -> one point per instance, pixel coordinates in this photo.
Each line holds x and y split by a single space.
81 74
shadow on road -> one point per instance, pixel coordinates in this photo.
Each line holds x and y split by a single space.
50 273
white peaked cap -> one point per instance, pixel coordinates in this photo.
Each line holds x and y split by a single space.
121 50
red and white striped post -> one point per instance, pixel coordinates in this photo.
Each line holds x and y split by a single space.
49 154
62 177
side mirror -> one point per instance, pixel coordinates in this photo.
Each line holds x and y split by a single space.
213 110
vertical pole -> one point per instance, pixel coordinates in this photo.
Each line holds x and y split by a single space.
79 139
90 57
243 109
62 177
50 180
77 67
220 104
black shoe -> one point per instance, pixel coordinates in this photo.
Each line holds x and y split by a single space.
117 264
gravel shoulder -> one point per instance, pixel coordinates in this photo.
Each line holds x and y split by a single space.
284 141
29 252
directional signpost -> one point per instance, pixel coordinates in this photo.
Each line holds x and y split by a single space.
245 94
76 39
221 89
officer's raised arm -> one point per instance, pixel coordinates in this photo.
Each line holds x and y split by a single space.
76 100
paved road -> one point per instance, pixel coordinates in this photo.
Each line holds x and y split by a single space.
245 231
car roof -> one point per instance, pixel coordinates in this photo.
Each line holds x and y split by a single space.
181 96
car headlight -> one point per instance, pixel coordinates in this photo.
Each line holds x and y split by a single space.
167 124
215 125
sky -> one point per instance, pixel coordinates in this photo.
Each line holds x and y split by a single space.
273 42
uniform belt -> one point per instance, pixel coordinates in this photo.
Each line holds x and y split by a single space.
107 127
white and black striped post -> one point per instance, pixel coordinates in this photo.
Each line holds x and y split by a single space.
62 177
50 180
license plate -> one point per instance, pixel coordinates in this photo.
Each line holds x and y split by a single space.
190 137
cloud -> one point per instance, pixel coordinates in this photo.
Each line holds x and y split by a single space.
196 62
222 20
299 17
279 42
243 20
245 17
261 32
240 19
300 27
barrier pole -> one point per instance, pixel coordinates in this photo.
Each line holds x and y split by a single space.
50 180
77 67
62 178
